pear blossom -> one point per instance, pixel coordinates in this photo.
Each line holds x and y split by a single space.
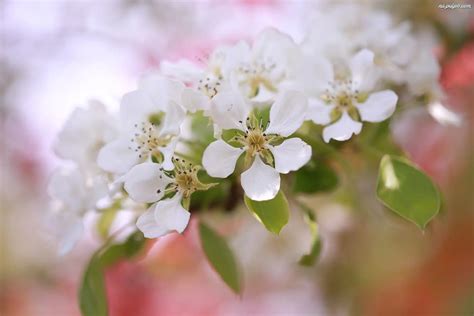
149 182
258 71
74 195
338 31
267 150
84 133
341 101
151 118
203 82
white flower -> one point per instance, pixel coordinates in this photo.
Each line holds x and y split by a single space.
344 100
422 74
261 70
258 71
84 133
74 195
149 182
150 123
267 146
339 31
204 82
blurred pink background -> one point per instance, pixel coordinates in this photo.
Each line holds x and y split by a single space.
56 55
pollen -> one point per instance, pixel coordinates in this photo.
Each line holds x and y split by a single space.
210 85
256 141
147 141
186 179
258 73
342 95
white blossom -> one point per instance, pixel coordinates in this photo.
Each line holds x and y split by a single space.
204 81
150 123
259 71
74 195
341 101
267 150
84 133
148 182
401 55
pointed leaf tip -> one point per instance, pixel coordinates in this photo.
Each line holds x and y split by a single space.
407 191
220 256
273 214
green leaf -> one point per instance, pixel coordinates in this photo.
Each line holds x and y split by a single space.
92 295
274 214
220 257
126 250
315 177
407 191
310 258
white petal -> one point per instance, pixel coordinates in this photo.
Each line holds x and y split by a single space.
264 96
194 101
163 218
117 157
174 116
171 214
232 57
83 131
291 155
260 182
97 188
219 159
378 107
168 152
271 44
342 129
69 232
161 90
444 115
312 74
319 112
146 183
147 224
363 70
229 109
68 186
287 113
183 70
135 107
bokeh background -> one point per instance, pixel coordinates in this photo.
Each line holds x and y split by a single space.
56 55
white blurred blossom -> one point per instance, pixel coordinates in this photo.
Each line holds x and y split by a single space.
73 194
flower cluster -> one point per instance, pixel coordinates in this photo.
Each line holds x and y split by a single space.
257 97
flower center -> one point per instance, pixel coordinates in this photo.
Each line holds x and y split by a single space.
186 179
185 183
210 85
257 74
343 97
254 140
147 140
